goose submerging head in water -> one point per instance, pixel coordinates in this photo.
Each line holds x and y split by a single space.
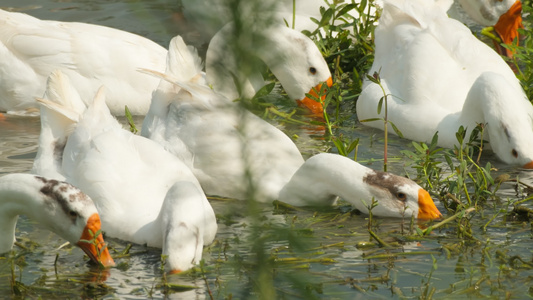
259 26
228 148
56 206
438 77
144 194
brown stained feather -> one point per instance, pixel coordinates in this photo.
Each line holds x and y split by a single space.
56 191
387 182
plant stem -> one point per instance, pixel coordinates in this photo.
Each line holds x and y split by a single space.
293 13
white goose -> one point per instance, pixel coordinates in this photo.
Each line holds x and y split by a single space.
230 150
325 177
439 77
55 205
143 193
90 55
291 56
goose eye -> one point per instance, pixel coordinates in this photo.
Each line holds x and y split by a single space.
401 196
73 214
514 153
312 70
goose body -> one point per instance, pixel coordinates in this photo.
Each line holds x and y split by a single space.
235 154
90 55
180 124
55 205
439 77
143 193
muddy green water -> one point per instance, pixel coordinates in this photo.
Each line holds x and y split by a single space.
315 254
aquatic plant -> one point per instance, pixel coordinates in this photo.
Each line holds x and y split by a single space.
288 252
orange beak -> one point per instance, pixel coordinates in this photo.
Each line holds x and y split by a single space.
507 27
99 252
529 165
426 207
315 106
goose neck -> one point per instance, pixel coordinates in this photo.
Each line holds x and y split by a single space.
322 178
16 198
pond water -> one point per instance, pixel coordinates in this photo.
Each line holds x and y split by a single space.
318 254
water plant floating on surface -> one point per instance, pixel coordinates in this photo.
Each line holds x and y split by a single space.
274 252
55 205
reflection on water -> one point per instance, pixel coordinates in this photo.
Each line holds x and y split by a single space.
330 261
18 145
138 273
328 258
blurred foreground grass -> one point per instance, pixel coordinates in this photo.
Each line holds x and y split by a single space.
279 252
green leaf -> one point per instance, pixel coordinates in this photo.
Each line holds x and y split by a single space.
177 287
371 78
409 154
419 147
449 161
362 6
396 130
352 145
127 112
435 139
265 90
346 9
326 17
460 134
380 104
419 231
340 146
428 230
371 120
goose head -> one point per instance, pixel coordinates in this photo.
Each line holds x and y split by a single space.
508 116
58 207
298 64
188 223
512 138
292 57
399 196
